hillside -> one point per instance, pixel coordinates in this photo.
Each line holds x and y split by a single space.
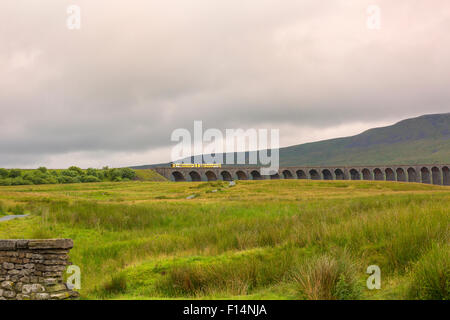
425 139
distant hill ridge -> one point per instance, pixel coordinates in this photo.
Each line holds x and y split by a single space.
421 140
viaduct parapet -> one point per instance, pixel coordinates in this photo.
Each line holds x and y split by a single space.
33 269
431 174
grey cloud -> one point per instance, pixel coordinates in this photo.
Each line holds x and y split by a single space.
135 72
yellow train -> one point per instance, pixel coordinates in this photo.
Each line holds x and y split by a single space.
196 165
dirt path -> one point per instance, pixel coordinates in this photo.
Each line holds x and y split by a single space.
7 218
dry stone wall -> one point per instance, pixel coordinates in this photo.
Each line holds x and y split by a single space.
33 269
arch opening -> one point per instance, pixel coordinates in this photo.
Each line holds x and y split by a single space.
339 174
226 176
354 174
401 176
412 175
301 174
195 176
436 176
256 175
241 175
287 174
366 174
425 173
178 176
327 175
314 175
378 174
446 176
390 176
211 176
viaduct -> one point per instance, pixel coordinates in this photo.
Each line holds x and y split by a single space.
431 174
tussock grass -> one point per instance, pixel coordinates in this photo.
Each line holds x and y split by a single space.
237 275
431 275
117 285
328 278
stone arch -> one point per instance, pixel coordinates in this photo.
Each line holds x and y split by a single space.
326 174
412 175
241 175
339 174
211 176
446 176
195 176
425 175
256 175
436 176
275 176
354 174
287 174
390 175
178 176
314 174
301 174
378 174
366 174
226 176
401 176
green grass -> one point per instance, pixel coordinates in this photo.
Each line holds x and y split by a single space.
285 239
148 175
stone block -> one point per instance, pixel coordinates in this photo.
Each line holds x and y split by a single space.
7 285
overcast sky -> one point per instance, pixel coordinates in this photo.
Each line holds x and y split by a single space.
112 92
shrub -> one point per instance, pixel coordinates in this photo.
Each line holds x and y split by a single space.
20 181
79 171
90 179
38 179
92 172
5 182
54 173
69 173
14 173
51 180
431 275
114 174
72 175
128 173
101 174
42 169
3 173
67 179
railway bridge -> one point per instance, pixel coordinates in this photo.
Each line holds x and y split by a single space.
431 174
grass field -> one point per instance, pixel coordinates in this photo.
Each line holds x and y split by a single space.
280 239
